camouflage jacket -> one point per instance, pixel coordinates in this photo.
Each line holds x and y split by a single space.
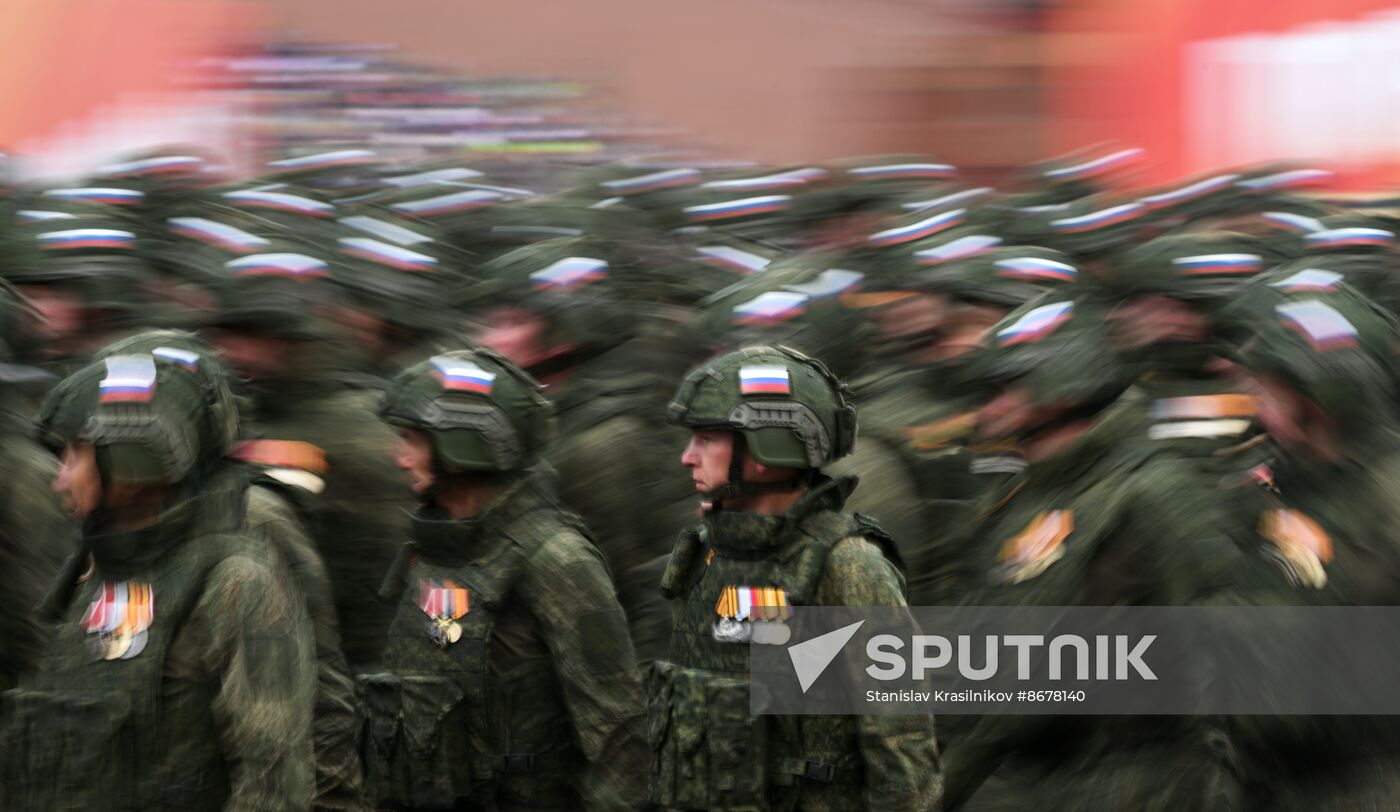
1110 520
708 750
533 701
180 675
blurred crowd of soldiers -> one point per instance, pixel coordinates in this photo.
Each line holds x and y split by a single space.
427 432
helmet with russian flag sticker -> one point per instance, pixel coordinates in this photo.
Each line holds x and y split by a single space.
156 406
790 409
1057 347
483 413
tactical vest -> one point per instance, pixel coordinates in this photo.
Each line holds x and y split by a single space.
439 727
92 734
708 750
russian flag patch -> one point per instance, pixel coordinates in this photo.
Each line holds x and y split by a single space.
764 380
130 378
1036 324
459 375
1319 323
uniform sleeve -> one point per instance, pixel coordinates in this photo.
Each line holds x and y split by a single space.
259 656
586 632
35 539
338 781
902 769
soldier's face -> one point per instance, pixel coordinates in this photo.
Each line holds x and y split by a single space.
415 459
79 482
1291 419
516 333
255 356
62 310
708 455
1147 320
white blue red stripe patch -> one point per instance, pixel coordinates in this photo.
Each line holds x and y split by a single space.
1310 280
220 234
1190 191
738 208
451 174
448 204
771 307
185 358
88 238
1293 179
961 248
732 259
115 197
1096 166
1098 219
917 231
1036 324
1344 237
130 378
1218 263
831 282
321 160
569 273
1318 322
279 201
153 166
764 380
37 216
292 266
385 230
783 180
956 198
1294 222
905 171
393 256
461 375
653 181
1037 269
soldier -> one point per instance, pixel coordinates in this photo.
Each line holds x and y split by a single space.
1098 517
313 429
35 538
763 422
1321 520
1167 328
181 671
552 309
511 682
277 514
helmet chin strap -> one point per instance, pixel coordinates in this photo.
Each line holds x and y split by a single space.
738 487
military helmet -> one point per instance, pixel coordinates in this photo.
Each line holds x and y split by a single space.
281 292
797 303
1058 347
791 411
1209 268
158 410
1338 349
1067 178
1006 276
483 413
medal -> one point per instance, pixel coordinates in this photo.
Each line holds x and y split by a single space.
443 602
117 619
729 630
771 632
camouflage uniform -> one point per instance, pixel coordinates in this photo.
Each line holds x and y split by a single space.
314 429
613 455
181 671
1324 533
708 750
511 681
276 514
1107 520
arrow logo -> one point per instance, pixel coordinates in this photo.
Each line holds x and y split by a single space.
811 657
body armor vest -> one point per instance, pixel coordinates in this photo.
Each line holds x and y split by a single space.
708 750
89 733
440 725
